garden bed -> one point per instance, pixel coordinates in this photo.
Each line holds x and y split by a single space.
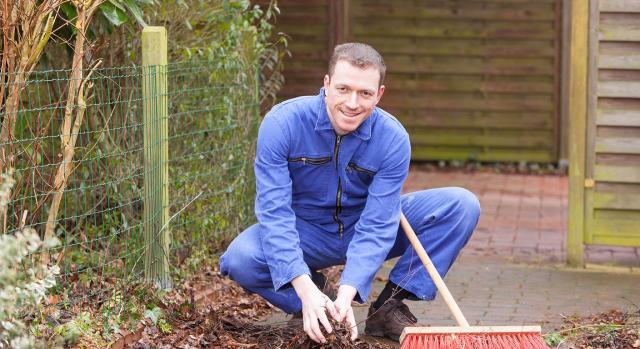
211 311
615 329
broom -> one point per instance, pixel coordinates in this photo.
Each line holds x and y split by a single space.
464 336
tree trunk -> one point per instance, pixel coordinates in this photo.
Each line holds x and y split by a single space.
78 88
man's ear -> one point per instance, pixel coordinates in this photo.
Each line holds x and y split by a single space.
327 80
380 93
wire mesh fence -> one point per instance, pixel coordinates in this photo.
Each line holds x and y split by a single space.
212 117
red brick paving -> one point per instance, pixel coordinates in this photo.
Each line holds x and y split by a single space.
524 216
492 292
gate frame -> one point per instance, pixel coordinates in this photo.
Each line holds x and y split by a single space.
577 112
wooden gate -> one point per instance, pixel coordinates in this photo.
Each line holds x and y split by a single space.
468 79
605 180
613 125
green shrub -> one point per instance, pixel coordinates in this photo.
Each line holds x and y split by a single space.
23 285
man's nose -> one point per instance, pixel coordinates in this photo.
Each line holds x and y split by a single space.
352 101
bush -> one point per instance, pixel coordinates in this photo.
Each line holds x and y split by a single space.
22 287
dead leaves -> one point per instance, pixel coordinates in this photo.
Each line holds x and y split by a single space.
211 311
615 329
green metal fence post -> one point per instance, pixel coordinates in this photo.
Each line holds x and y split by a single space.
156 154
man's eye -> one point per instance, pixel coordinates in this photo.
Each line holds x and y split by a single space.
342 89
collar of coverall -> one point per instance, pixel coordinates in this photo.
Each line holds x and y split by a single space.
323 123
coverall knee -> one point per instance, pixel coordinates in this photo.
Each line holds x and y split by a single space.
443 219
245 262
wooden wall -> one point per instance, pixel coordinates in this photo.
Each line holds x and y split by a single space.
311 26
469 79
612 194
473 79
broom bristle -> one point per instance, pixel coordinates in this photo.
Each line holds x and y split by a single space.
474 341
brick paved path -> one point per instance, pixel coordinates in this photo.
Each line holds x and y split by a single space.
491 292
523 216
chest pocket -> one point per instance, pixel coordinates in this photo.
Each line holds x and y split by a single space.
310 175
359 179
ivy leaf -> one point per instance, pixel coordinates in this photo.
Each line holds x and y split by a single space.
69 10
135 10
154 314
70 13
118 4
113 14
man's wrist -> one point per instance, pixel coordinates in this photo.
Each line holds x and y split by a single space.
302 284
347 291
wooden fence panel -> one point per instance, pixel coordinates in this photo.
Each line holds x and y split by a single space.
310 26
469 79
612 201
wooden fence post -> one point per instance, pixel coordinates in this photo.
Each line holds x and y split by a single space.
156 154
577 129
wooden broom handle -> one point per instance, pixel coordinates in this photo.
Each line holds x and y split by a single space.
433 272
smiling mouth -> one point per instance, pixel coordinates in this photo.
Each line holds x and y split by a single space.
349 114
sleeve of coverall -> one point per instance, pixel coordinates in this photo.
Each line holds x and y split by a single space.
278 234
378 225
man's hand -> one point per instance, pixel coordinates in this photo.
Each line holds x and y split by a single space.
314 305
342 303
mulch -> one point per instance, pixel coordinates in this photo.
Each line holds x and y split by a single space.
211 311
615 329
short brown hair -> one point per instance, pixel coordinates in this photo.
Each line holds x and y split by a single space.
359 54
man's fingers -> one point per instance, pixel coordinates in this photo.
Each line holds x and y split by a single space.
320 318
343 314
315 328
333 310
351 319
315 317
341 311
313 331
325 321
354 333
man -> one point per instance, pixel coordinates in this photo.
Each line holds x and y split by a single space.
329 171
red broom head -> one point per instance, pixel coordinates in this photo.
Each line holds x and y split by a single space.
473 341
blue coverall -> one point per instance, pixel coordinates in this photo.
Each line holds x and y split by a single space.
324 200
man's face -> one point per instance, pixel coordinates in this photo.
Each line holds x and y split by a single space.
351 95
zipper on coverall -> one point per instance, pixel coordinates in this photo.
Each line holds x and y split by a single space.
336 217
